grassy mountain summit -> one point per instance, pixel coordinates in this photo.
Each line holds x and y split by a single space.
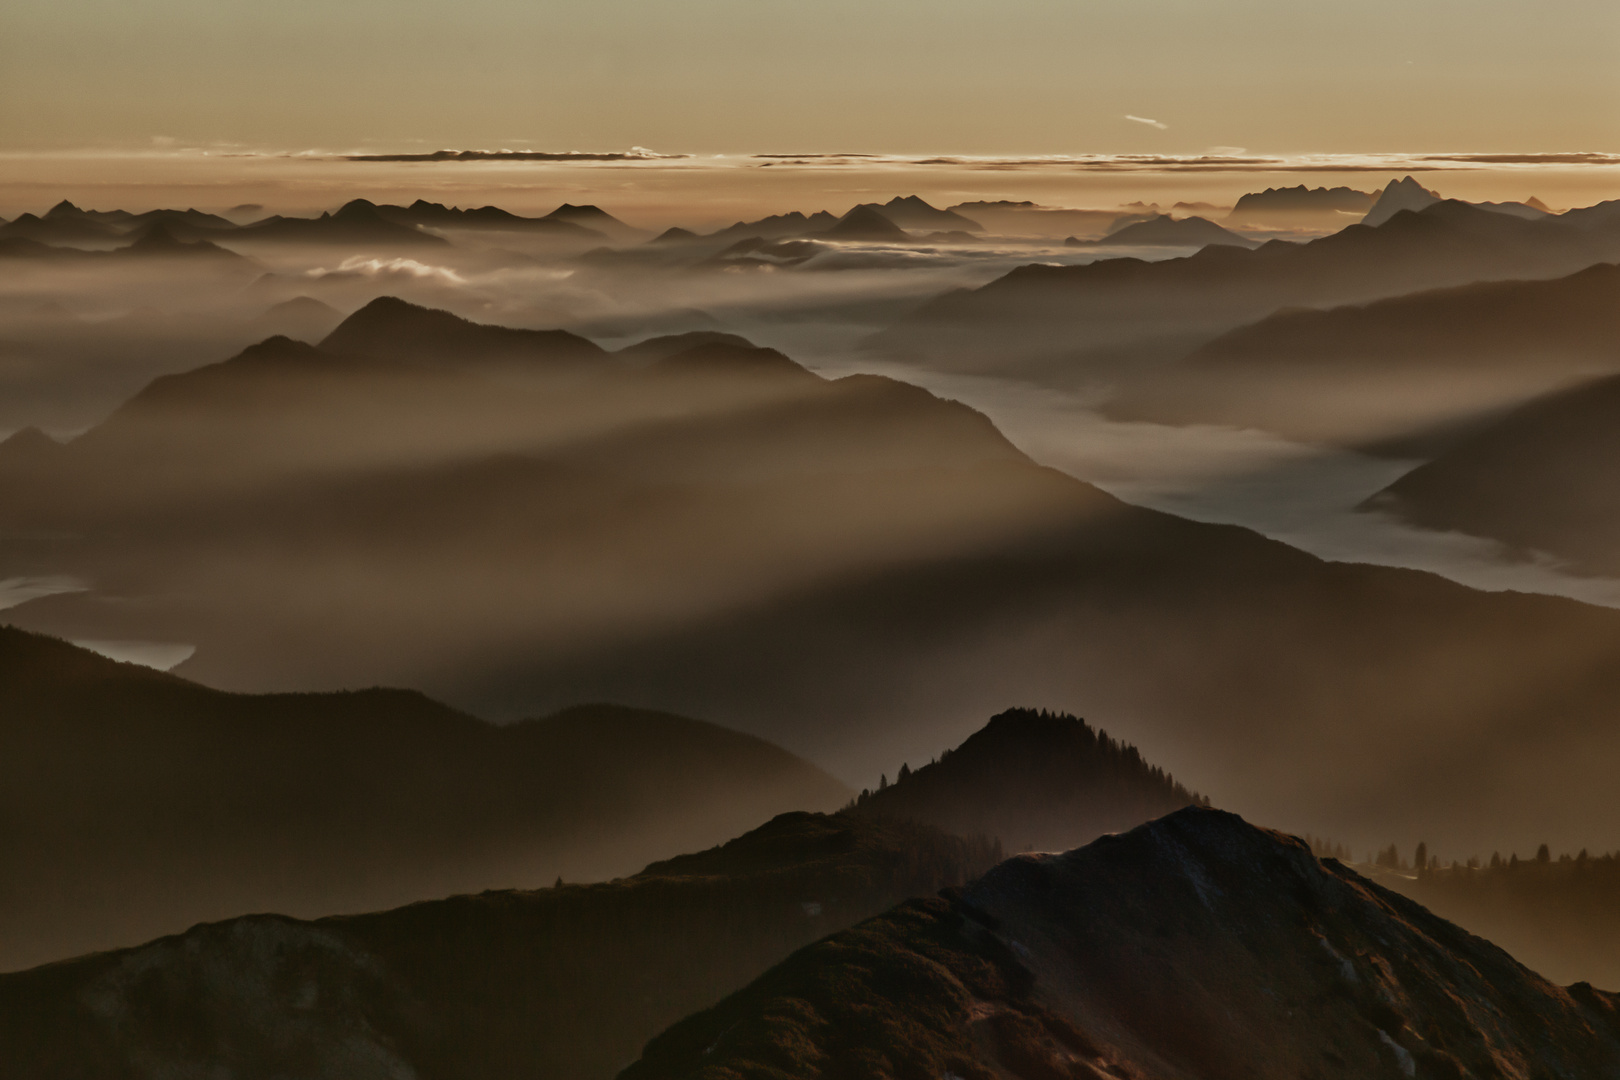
1034 781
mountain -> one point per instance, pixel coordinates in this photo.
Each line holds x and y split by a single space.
1194 948
868 224
778 227
567 982
914 214
597 220
140 803
1301 206
1399 195
853 568
437 215
1428 362
1034 781
392 330
1164 230
1008 217
1538 479
303 317
62 229
1099 321
357 222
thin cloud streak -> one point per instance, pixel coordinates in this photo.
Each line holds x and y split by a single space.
1149 123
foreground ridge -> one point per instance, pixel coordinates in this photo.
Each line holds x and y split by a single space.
1195 947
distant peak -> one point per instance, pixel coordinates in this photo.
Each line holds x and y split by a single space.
63 208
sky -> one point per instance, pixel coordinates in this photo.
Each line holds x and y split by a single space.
797 76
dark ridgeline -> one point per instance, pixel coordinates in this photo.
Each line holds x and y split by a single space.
566 983
866 223
1194 948
135 803
1540 478
1036 781
1301 205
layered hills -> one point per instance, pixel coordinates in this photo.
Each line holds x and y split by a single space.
1361 373
1099 320
138 803
1193 948
516 521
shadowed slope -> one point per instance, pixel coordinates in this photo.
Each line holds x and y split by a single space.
566 983
1379 370
1540 478
137 802
1193 948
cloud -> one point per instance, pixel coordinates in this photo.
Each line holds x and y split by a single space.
635 153
1149 123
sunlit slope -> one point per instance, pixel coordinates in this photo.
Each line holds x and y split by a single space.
856 569
136 803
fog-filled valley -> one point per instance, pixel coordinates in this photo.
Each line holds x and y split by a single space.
472 614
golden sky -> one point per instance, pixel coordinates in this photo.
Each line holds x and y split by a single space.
882 76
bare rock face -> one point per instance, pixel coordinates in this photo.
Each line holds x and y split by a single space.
1196 947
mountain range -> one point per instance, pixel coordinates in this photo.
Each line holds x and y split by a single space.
1097 321
853 568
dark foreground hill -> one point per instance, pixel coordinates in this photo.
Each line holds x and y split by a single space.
134 803
1193 948
1540 478
514 521
566 983
1036 781
1357 374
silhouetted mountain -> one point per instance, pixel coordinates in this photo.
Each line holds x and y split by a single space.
390 329
1170 232
779 226
912 213
139 803
1099 320
852 566
1422 363
1024 218
357 222
675 235
1300 205
660 348
866 223
437 215
156 239
1540 478
597 220
303 317
1034 781
61 229
1194 948
566 983
1404 194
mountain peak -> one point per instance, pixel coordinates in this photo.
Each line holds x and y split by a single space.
866 222
1403 194
63 209
391 328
